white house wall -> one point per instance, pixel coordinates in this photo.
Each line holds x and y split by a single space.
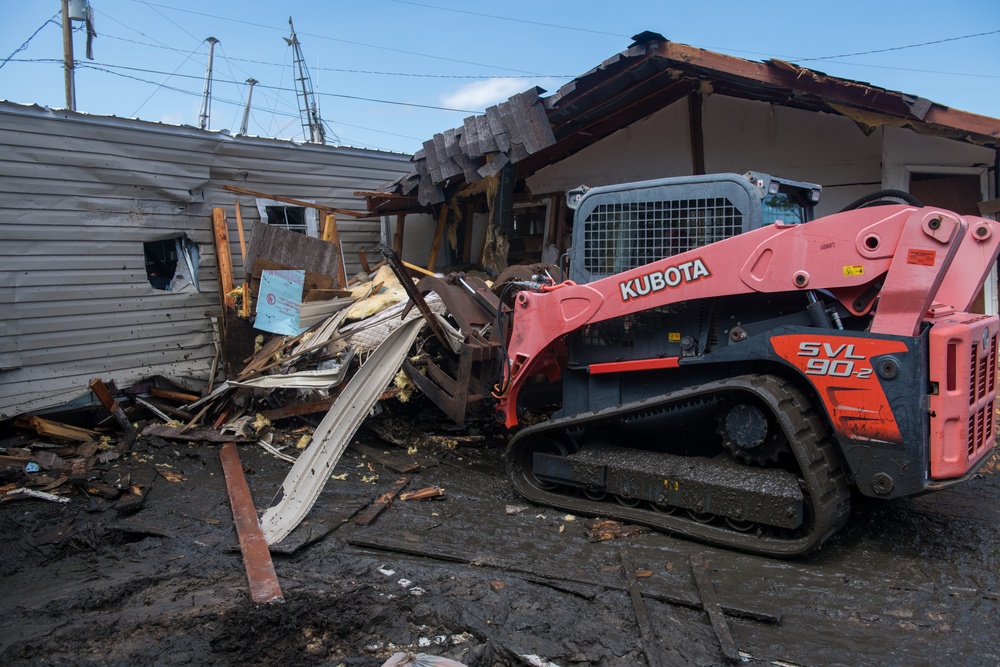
907 151
739 135
79 195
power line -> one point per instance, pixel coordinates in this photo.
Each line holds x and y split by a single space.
900 48
363 71
335 39
284 90
101 68
507 18
28 41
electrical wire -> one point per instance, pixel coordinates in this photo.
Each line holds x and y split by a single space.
507 18
361 71
284 90
900 48
28 41
336 39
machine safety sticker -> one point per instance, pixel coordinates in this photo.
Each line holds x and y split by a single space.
921 257
854 270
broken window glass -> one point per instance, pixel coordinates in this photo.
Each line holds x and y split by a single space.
172 264
298 219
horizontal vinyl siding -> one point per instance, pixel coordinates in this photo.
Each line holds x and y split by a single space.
80 195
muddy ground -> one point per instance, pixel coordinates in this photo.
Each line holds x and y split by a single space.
912 582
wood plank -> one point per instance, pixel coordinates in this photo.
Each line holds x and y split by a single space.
298 410
710 603
295 202
331 235
192 434
239 227
382 503
54 429
263 580
179 396
438 236
297 251
649 645
222 254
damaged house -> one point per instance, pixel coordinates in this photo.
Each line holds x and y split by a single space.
109 267
496 185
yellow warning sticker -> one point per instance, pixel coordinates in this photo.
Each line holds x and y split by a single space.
854 270
673 336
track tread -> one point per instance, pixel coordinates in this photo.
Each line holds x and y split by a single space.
822 476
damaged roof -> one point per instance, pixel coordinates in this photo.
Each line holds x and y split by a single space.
532 131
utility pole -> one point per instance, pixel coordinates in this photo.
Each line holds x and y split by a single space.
246 111
206 99
312 124
68 65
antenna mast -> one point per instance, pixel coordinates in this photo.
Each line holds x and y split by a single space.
246 111
206 99
312 124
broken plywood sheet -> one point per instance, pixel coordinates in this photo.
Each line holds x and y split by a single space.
294 250
312 469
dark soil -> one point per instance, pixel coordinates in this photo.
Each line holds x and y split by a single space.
910 582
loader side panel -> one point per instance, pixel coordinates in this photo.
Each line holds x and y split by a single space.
964 346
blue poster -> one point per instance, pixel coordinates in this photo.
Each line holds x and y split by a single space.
279 302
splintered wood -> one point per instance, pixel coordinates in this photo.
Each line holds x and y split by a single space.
602 530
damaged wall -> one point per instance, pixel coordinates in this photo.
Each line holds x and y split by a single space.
83 199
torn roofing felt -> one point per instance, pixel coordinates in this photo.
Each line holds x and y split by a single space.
653 73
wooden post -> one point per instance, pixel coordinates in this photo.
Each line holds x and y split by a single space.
438 235
223 258
239 226
363 258
397 239
330 235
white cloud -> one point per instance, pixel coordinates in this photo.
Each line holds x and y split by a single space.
176 118
478 95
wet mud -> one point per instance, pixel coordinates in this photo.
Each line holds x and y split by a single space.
476 575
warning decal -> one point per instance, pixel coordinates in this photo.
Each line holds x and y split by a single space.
854 270
921 257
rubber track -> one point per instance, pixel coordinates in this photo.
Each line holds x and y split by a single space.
824 483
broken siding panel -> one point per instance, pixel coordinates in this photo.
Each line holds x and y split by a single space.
79 317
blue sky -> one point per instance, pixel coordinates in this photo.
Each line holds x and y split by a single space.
391 73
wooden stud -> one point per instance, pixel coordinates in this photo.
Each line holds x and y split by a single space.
239 227
222 254
363 258
438 236
710 603
330 235
293 201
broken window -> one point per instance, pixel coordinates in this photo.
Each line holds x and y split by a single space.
300 219
172 263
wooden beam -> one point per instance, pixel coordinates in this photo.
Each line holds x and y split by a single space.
330 235
222 254
363 258
295 202
438 236
239 226
263 580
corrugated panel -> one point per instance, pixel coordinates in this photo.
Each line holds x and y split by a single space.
80 194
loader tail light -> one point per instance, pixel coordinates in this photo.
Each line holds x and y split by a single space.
963 358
